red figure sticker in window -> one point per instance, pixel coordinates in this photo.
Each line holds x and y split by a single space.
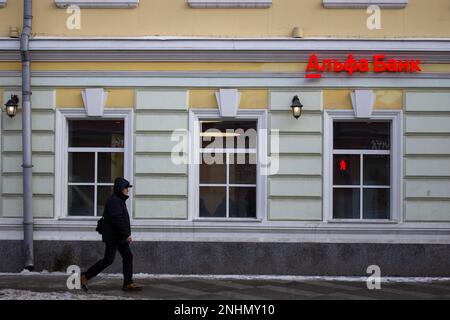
343 165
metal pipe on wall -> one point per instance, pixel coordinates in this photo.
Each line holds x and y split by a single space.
26 136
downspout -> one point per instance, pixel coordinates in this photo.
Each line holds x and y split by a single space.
26 136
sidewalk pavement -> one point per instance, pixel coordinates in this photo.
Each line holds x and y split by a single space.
108 287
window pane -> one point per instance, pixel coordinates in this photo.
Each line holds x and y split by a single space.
243 168
81 167
376 203
110 166
362 135
213 202
242 202
346 169
346 203
81 200
103 193
96 133
229 134
213 168
377 170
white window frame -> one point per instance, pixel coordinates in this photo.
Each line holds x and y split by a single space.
252 4
62 151
105 4
195 115
94 184
396 155
358 4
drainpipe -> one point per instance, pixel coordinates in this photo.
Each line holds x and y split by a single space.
26 137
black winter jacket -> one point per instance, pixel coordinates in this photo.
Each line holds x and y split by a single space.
116 226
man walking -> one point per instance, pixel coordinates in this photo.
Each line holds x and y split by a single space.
116 233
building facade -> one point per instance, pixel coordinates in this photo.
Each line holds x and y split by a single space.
155 90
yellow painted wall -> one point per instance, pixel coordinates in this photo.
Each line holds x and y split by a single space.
10 16
421 18
71 98
340 99
198 98
250 98
10 66
169 66
287 67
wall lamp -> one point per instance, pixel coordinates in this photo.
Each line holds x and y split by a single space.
297 107
11 106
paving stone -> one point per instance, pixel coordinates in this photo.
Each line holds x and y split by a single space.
225 289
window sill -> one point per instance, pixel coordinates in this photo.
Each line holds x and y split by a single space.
358 4
80 218
252 4
105 4
231 220
353 221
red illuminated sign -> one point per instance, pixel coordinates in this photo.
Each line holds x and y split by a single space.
351 65
343 165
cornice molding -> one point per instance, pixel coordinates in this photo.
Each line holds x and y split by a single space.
224 56
146 230
240 44
204 49
197 80
221 74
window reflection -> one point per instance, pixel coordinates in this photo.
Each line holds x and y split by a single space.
376 203
362 135
228 175
347 170
81 200
361 170
242 202
96 133
243 168
92 165
110 166
81 167
346 202
377 170
213 202
213 168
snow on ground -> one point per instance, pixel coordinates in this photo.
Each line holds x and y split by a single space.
12 294
242 277
284 278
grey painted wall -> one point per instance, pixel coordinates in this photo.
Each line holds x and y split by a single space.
311 259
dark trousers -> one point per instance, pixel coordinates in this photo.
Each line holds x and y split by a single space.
108 259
